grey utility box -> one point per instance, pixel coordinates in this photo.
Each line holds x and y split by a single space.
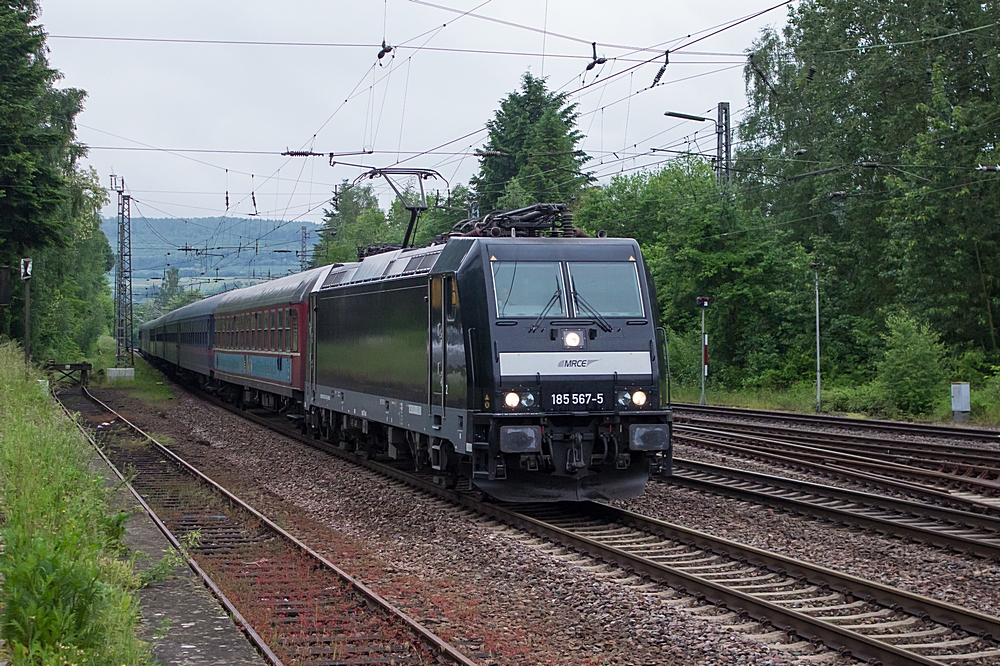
961 402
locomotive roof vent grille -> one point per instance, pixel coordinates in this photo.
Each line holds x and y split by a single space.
334 278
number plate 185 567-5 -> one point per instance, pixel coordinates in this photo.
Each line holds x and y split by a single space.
575 401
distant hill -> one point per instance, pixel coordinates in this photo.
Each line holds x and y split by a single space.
212 253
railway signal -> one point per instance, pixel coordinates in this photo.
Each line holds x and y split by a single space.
26 277
703 302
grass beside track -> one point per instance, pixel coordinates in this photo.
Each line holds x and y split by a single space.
68 596
148 385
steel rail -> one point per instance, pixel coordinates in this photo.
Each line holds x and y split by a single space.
845 640
929 429
259 644
966 502
853 460
869 444
860 645
439 644
809 499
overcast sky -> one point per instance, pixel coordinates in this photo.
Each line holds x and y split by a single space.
432 89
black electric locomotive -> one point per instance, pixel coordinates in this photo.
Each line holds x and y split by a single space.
514 353
532 366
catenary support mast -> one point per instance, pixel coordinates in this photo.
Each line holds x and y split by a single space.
123 278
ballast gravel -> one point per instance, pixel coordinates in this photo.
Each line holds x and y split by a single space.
958 579
497 594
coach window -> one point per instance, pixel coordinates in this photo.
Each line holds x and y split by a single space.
295 330
266 344
288 329
281 329
272 342
274 334
260 330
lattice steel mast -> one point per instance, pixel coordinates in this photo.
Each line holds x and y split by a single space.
125 357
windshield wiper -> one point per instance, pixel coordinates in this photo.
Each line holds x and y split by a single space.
552 301
589 309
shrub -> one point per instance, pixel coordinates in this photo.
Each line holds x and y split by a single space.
911 373
869 399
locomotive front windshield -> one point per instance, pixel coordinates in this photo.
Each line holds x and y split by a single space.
529 288
538 289
611 288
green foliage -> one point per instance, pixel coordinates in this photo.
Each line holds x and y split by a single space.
443 214
866 154
48 205
944 243
170 295
699 242
911 373
37 150
66 598
355 221
868 398
51 592
162 569
531 155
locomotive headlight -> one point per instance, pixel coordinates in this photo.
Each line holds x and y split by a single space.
527 399
512 400
639 398
572 339
624 398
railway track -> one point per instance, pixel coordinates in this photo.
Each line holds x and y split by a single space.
867 620
971 491
971 461
951 529
686 410
294 605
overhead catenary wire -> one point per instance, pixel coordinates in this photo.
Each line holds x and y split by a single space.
459 155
